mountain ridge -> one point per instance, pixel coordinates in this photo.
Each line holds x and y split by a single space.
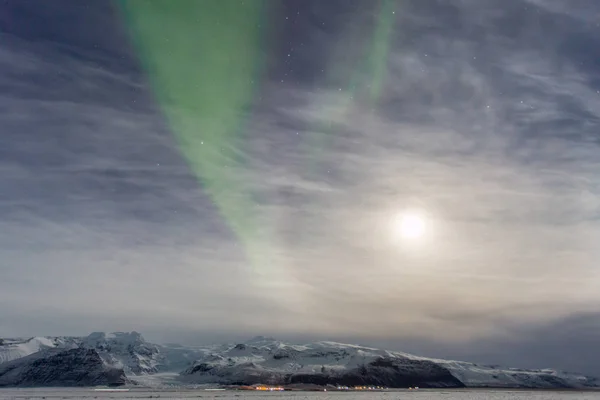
61 367
269 361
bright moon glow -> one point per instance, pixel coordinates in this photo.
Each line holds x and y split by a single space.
411 226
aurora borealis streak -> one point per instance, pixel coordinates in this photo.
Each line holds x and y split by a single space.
204 75
364 82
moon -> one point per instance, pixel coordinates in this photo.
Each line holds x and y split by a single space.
411 225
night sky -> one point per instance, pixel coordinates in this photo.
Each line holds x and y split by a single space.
215 169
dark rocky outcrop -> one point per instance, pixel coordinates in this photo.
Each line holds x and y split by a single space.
74 367
389 372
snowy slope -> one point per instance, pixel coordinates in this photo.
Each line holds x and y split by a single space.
130 351
12 349
266 360
475 375
176 358
323 363
60 367
271 361
126 350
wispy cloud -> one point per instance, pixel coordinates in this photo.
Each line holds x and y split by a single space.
488 132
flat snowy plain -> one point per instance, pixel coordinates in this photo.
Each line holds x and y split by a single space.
235 395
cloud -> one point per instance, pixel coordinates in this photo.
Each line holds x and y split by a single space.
497 143
490 130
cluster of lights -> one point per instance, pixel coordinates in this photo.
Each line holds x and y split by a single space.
279 388
369 388
269 388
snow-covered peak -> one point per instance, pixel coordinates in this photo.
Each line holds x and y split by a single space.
95 338
125 338
127 350
325 360
337 345
12 349
131 337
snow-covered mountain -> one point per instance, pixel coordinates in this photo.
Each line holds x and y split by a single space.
269 361
11 349
61 367
322 363
486 376
126 350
